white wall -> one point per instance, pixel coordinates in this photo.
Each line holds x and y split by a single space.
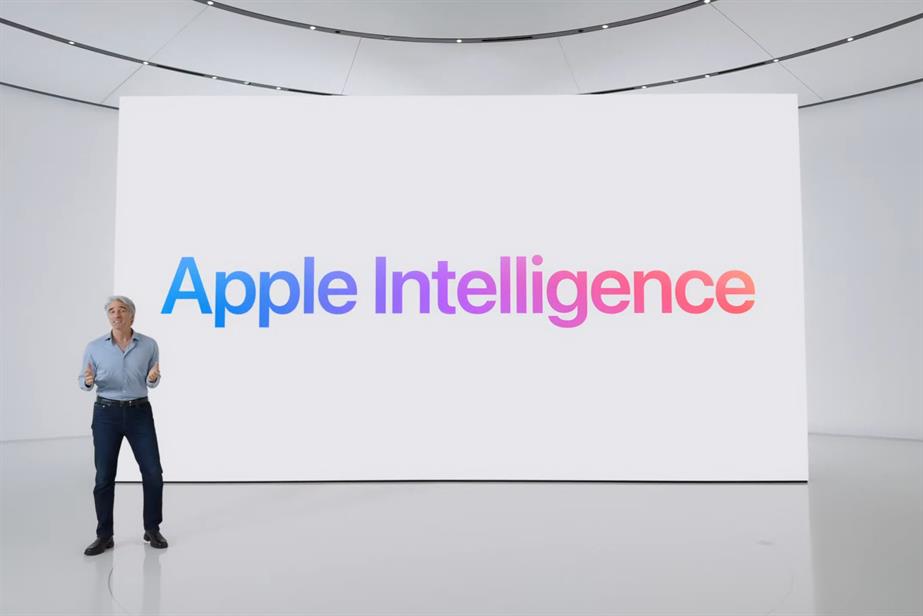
57 221
862 186
862 164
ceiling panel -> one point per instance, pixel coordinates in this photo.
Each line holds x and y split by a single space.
531 67
696 41
688 43
39 63
136 28
770 79
151 81
787 26
450 18
882 60
230 45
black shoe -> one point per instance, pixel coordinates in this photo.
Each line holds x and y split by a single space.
99 546
156 539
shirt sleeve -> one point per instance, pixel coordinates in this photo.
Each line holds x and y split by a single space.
155 359
87 359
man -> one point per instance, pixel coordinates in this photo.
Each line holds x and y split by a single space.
122 365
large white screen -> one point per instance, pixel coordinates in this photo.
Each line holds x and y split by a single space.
631 184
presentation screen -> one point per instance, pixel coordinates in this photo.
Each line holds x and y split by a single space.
468 288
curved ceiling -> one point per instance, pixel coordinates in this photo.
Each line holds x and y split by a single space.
490 23
195 49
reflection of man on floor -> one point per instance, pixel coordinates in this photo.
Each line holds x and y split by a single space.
122 365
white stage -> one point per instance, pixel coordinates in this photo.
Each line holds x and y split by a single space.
850 542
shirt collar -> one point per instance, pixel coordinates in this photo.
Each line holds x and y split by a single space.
134 336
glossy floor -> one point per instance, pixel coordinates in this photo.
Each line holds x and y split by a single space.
849 542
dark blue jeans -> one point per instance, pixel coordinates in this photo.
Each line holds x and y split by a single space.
136 423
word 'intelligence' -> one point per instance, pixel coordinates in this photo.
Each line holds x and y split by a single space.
519 289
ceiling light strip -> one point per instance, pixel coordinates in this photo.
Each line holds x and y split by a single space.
875 91
797 54
454 39
66 98
667 82
167 67
826 102
69 42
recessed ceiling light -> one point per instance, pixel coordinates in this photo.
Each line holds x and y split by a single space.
605 26
849 40
458 40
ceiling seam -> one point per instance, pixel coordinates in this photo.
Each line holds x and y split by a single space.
573 75
120 84
768 53
153 55
351 64
178 32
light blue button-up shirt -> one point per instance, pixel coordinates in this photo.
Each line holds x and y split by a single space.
120 375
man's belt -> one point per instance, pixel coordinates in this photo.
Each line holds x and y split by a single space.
109 402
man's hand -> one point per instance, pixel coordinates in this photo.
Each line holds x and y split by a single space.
88 377
154 374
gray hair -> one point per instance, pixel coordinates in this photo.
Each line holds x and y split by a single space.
124 300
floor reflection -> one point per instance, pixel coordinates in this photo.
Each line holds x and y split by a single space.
849 542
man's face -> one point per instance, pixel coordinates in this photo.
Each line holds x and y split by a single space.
119 315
